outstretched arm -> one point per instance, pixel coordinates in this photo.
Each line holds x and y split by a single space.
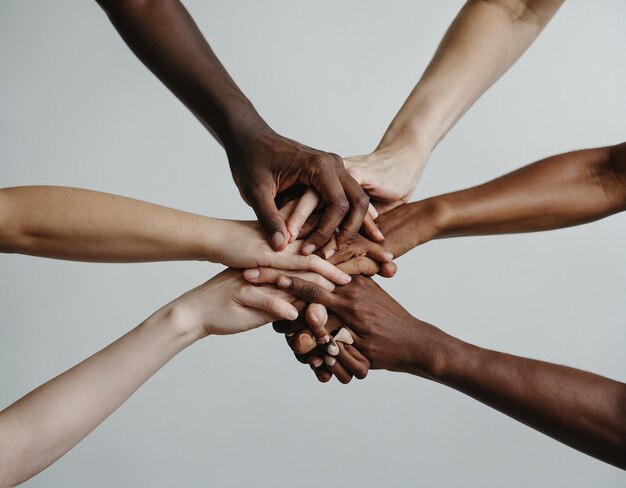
46 423
580 409
559 191
84 225
166 39
483 42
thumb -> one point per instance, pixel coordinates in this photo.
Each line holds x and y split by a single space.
270 219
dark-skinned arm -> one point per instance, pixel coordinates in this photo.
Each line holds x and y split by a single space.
560 191
583 410
166 39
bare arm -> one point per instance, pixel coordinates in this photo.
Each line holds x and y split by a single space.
580 409
483 42
42 426
559 191
167 40
84 225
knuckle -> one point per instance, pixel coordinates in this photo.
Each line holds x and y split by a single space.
271 303
363 202
342 205
312 261
312 293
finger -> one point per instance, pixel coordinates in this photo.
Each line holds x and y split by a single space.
329 249
359 203
287 209
290 327
273 225
323 375
311 224
388 270
317 316
362 246
304 208
302 343
371 211
328 185
371 230
360 265
308 291
356 367
262 299
315 361
337 369
355 353
271 275
344 335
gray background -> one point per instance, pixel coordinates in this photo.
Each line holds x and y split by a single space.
78 109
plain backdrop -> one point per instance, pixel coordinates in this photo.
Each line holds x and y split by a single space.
78 109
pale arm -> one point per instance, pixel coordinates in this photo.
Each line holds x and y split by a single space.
42 426
45 424
84 225
483 42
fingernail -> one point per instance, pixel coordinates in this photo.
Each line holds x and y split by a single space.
332 348
278 239
329 360
314 318
317 362
344 336
330 253
379 235
346 278
290 334
252 274
389 255
292 315
284 282
305 342
324 340
308 249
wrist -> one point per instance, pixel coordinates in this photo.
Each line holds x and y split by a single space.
432 353
178 325
417 128
246 130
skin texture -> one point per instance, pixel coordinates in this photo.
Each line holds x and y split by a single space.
166 39
45 424
560 191
83 225
483 42
580 409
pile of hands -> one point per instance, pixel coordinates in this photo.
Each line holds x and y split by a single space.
308 260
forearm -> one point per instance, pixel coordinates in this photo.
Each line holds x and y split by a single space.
83 225
560 191
580 409
483 42
167 40
46 423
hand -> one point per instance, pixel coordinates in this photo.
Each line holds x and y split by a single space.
404 227
325 347
227 304
389 176
244 246
305 205
388 336
266 163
